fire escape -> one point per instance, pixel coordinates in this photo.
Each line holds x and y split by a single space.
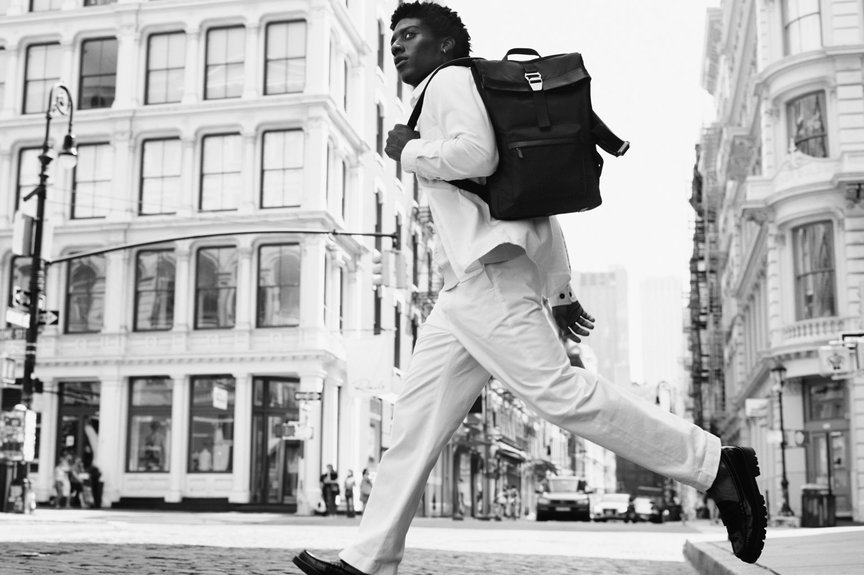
705 334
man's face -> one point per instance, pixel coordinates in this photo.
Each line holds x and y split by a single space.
416 51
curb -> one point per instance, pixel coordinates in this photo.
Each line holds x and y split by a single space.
709 558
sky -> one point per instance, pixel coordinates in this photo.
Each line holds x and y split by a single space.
645 60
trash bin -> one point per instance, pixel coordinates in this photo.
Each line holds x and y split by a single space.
817 506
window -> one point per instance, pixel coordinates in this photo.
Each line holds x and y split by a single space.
344 188
279 286
150 424
215 287
807 124
345 86
85 295
160 176
211 435
98 73
282 169
397 336
802 25
826 400
379 228
166 63
91 183
814 271
379 130
45 5
226 56
42 72
154 290
28 173
285 68
99 2
221 158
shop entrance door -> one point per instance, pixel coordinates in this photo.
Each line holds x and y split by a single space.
78 425
828 463
275 461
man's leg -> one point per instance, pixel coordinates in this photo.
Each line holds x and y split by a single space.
442 383
512 338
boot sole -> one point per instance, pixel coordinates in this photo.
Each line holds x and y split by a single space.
745 457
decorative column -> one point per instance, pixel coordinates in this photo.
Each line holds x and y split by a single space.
126 94
248 199
8 106
193 77
315 172
67 61
7 204
111 454
318 51
242 439
179 434
183 289
311 283
309 489
773 283
124 202
251 75
245 310
187 203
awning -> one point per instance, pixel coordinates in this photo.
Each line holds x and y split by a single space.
505 450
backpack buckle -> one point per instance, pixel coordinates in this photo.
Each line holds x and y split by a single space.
535 80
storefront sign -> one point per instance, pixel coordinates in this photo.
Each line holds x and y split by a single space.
12 435
220 397
835 360
756 407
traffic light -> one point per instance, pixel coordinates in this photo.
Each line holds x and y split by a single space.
377 269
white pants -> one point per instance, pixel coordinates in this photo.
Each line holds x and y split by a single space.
493 323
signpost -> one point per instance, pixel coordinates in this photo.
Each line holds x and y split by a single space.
307 395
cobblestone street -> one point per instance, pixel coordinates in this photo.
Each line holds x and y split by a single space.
64 558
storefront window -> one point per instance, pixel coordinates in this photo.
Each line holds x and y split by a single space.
211 440
150 424
827 400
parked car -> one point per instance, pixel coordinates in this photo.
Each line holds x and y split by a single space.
565 497
611 506
644 509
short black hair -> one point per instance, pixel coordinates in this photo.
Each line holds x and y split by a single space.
441 20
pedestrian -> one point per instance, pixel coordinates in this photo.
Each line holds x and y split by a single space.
330 489
491 320
365 488
62 484
349 494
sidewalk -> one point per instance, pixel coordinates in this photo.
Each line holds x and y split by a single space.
788 551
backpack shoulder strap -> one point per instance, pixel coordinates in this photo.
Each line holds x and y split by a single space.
418 107
467 185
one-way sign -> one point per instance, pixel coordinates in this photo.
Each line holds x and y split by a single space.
49 317
307 396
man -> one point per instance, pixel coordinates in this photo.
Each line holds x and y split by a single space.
329 489
491 320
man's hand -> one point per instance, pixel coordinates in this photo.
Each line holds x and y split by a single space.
572 321
396 140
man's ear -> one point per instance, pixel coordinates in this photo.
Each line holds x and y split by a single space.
447 45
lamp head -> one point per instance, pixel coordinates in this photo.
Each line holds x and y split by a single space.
778 374
69 154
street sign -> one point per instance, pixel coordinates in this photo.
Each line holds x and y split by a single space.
21 298
17 317
307 395
835 360
49 317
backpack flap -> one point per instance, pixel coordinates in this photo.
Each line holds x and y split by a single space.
546 73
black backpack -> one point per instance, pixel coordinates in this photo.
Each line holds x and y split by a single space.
546 132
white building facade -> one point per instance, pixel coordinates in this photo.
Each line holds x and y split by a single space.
782 173
246 129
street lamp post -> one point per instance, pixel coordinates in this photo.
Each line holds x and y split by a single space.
778 372
59 102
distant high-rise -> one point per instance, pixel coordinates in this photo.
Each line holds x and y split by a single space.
662 308
604 295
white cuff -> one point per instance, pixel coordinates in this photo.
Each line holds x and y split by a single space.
408 156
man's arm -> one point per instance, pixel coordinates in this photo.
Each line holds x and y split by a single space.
466 145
